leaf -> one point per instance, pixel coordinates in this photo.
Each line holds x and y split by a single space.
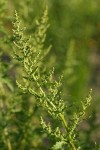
9 84
58 145
21 87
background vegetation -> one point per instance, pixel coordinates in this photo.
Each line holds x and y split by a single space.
74 33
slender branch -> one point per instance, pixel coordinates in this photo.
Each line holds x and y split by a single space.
64 121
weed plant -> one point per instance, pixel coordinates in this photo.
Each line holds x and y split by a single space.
33 109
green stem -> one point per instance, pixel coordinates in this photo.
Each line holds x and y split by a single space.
7 139
63 119
65 124
72 145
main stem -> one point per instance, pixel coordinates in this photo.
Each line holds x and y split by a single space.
65 125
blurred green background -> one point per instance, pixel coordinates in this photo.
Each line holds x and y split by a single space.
74 33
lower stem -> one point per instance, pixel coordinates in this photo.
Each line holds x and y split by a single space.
72 145
65 125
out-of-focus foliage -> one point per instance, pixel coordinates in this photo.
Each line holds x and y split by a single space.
75 35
